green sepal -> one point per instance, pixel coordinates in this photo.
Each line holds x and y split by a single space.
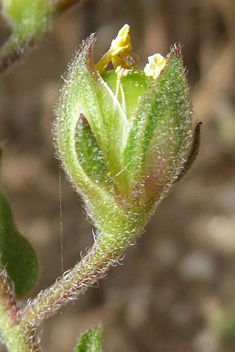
90 341
89 155
89 95
17 256
159 138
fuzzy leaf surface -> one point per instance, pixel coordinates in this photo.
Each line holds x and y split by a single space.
17 255
90 341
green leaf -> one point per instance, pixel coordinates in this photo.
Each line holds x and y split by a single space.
17 255
90 341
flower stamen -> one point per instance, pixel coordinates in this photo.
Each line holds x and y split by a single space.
120 71
120 52
155 65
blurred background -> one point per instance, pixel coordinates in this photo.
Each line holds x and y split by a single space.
175 289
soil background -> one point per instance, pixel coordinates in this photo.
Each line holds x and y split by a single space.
175 289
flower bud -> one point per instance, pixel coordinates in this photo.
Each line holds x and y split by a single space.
125 136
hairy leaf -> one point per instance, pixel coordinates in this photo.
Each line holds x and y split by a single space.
90 341
17 255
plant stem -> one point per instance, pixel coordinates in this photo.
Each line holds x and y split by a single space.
15 338
89 270
11 52
14 47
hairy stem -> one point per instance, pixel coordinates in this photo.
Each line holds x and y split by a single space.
89 270
12 52
15 338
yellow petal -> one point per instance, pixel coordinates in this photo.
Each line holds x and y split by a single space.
155 65
119 52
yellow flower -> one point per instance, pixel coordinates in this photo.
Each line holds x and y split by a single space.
120 52
156 64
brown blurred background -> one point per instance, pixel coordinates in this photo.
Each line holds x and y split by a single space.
175 290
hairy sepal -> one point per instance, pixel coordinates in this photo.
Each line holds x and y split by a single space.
160 136
90 95
86 94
